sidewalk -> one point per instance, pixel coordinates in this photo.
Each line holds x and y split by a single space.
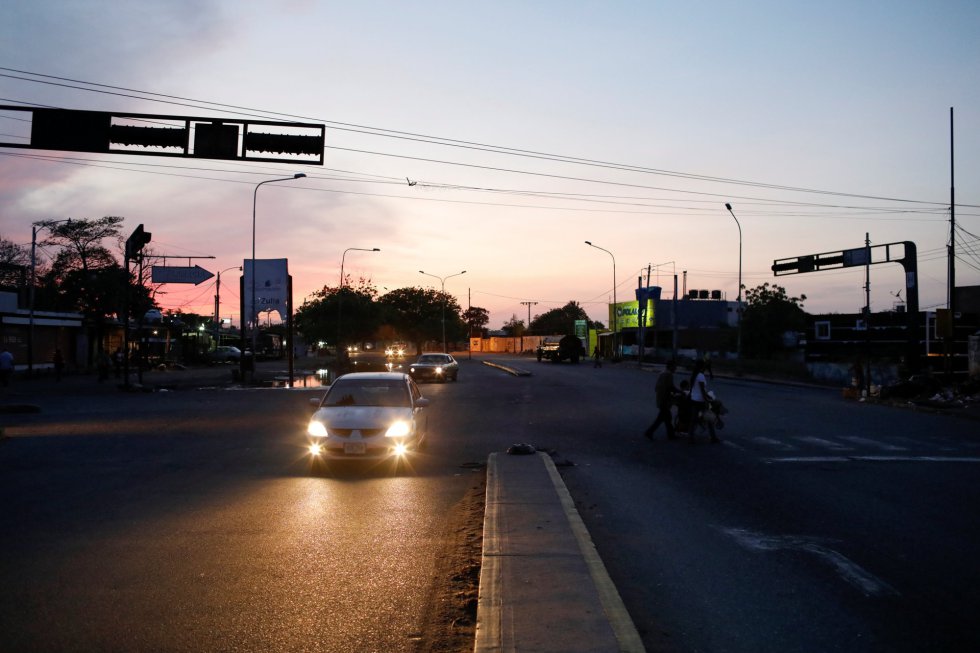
543 587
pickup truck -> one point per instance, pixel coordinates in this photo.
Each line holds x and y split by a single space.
567 348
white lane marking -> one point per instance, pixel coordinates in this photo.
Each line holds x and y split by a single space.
771 442
821 442
852 573
868 442
874 459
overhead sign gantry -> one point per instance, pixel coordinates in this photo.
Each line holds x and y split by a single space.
237 139
902 252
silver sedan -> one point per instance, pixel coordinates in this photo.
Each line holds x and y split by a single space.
368 416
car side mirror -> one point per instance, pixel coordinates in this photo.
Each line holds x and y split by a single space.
315 402
422 402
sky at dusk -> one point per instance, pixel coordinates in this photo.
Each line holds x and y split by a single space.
497 137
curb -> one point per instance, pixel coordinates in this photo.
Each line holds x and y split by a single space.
515 371
543 586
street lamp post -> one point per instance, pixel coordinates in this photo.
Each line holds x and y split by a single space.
35 227
344 255
217 303
445 348
738 346
615 317
340 290
254 313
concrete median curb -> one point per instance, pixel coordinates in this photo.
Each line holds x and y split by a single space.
515 371
543 586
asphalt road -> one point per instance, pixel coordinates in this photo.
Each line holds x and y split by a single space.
817 525
188 520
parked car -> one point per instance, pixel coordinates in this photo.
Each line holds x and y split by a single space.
225 354
435 367
368 415
567 348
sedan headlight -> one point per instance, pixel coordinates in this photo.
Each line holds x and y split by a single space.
399 429
316 429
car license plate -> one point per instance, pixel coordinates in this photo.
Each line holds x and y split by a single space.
355 448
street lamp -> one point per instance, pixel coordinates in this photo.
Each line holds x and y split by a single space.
615 317
254 313
344 255
217 303
35 227
738 351
340 293
443 281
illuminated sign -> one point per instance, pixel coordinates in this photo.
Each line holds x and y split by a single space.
627 315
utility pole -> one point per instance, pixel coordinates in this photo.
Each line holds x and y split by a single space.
949 336
529 305
867 313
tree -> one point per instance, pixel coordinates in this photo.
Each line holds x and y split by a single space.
85 275
476 318
514 326
560 320
81 243
350 314
14 261
417 314
769 313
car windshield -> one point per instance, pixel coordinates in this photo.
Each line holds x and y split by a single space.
434 359
368 392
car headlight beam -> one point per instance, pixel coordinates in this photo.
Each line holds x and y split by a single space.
316 429
399 429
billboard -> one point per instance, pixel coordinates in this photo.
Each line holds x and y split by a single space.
271 286
627 315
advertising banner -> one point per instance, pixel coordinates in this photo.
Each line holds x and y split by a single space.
627 315
271 287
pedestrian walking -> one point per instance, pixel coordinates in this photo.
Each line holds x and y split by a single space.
665 393
596 357
6 366
699 403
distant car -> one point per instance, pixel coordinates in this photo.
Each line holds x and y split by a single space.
368 416
568 348
395 351
225 354
435 367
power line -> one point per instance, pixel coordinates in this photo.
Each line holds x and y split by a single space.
436 140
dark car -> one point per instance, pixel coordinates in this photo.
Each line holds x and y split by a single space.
568 348
435 367
225 354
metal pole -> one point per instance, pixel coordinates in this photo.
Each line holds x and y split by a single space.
254 313
528 304
217 302
442 280
30 329
340 288
615 316
738 351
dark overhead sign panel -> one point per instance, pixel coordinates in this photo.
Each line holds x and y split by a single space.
903 252
164 135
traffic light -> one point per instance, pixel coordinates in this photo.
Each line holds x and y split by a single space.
136 242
